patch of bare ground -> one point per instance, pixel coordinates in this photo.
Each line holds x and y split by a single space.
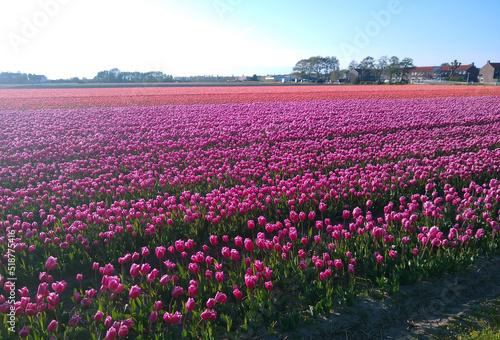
424 310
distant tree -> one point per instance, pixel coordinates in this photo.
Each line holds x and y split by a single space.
393 67
335 75
406 65
254 78
367 63
116 76
102 77
14 78
113 75
453 66
353 64
302 69
329 65
316 64
320 67
356 80
380 67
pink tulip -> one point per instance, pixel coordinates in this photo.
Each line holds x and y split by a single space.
176 318
91 293
262 221
249 246
108 269
164 279
51 263
177 291
52 327
251 224
24 332
338 264
30 309
98 316
135 270
250 281
59 287
123 330
479 233
108 321
158 306
75 319
237 293
220 297
235 255
145 269
135 291
194 268
205 315
111 334
259 265
319 225
226 252
167 317
210 303
160 252
219 276
153 316
238 241
179 246
190 304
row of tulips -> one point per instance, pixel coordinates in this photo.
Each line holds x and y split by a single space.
200 290
212 226
47 157
178 95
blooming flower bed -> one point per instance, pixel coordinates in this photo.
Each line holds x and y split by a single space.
205 220
144 96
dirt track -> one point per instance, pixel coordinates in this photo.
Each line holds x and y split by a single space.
416 311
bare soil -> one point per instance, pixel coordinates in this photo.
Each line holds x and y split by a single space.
419 311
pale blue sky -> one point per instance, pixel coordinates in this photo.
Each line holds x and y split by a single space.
65 38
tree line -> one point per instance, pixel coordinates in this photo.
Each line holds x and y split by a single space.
318 67
21 78
327 68
390 67
116 76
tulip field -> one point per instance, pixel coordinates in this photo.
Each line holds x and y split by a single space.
24 99
235 212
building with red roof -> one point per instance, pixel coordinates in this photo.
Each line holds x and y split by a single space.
466 72
420 74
